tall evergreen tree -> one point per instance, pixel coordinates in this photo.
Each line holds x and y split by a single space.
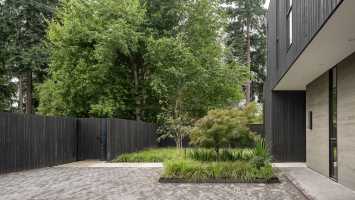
6 87
24 54
246 38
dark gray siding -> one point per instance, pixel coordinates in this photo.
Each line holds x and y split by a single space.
285 125
308 17
289 128
284 112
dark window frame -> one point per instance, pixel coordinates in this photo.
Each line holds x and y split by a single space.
310 120
333 84
289 22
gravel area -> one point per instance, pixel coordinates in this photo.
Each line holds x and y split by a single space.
85 183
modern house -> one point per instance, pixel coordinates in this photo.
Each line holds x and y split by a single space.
310 87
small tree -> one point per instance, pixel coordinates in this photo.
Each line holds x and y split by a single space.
221 128
176 128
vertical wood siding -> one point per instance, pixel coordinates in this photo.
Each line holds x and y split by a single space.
284 112
289 126
308 17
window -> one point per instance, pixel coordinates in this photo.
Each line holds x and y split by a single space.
289 22
310 120
333 158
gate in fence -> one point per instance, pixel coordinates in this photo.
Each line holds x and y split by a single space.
92 142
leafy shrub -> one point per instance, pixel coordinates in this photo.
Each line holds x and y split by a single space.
151 155
221 129
197 171
253 114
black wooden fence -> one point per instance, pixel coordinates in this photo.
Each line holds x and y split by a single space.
30 141
125 136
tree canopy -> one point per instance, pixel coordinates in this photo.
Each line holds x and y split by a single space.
137 60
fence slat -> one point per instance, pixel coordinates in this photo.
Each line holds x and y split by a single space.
31 141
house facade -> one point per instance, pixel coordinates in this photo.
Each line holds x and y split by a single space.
310 88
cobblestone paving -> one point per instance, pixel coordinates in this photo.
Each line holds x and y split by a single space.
126 184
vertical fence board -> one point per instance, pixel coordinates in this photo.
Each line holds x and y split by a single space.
31 141
129 136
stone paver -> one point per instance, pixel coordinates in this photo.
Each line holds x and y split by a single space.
289 165
84 183
98 164
316 186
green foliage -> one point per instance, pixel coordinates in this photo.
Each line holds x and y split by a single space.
198 171
163 16
241 15
190 75
138 59
262 155
220 84
151 155
209 155
92 47
7 90
176 128
222 128
253 114
22 32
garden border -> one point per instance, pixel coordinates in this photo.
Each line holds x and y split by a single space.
272 180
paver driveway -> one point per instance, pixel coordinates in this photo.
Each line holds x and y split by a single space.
127 183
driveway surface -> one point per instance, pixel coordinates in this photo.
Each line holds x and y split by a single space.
59 183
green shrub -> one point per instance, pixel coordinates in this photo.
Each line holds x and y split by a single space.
151 155
197 171
222 129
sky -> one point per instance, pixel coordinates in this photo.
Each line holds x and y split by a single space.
266 5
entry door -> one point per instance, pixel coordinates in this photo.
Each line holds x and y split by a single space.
333 147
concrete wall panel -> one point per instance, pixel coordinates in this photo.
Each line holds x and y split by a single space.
317 139
346 122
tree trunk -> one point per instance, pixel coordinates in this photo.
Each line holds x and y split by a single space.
136 93
181 138
177 141
217 152
20 93
248 63
29 92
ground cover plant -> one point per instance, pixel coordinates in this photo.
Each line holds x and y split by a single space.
240 171
204 165
209 155
236 165
152 155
